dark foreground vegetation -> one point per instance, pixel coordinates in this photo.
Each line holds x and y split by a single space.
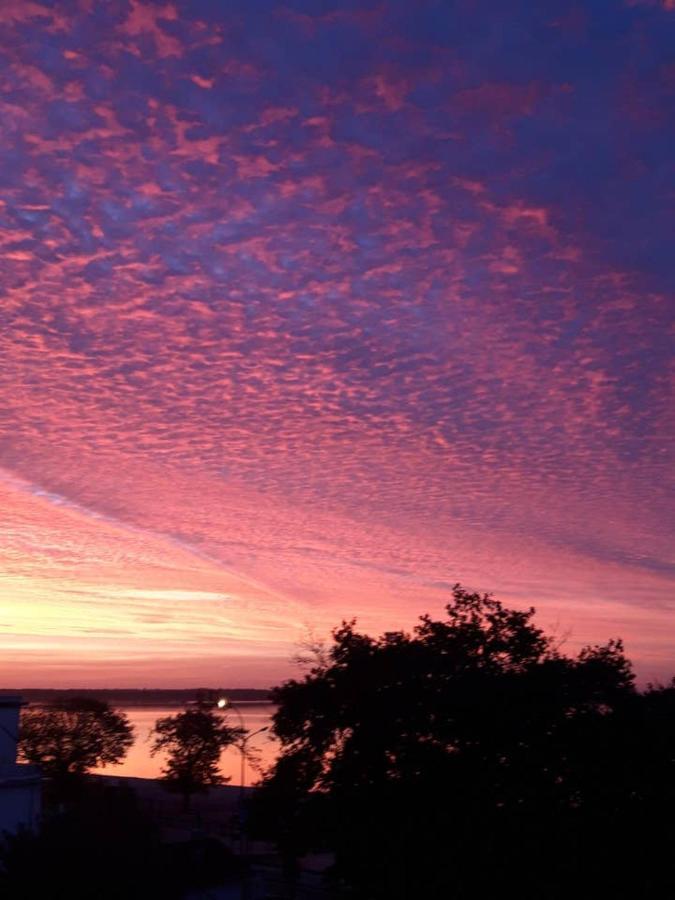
473 758
97 841
102 845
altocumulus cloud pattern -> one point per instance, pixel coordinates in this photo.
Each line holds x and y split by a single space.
311 309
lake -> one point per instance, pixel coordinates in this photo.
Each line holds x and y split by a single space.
140 764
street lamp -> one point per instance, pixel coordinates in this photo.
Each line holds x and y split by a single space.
224 703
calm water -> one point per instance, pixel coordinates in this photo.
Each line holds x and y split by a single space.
140 764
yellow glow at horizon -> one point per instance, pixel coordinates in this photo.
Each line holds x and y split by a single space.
79 589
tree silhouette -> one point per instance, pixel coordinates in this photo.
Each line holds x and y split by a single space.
469 758
72 736
194 740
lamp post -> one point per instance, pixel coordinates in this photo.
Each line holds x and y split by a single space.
242 748
225 704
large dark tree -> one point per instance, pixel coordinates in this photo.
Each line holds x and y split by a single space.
73 736
193 740
471 758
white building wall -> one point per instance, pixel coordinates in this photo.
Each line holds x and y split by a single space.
10 707
20 802
20 785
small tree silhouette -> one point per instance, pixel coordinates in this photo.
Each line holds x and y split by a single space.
194 740
72 736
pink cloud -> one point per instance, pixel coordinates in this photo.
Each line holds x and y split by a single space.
315 353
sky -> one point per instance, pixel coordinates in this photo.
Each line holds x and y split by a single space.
309 310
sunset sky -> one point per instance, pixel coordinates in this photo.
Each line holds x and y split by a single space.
311 309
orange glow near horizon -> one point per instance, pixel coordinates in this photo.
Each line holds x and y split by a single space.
89 602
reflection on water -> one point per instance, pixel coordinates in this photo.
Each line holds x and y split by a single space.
139 763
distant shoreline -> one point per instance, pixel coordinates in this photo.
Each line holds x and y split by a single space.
142 696
157 786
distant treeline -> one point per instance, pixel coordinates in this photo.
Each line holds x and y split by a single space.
143 696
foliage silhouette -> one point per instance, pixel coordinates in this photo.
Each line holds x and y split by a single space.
194 740
105 847
472 758
72 736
